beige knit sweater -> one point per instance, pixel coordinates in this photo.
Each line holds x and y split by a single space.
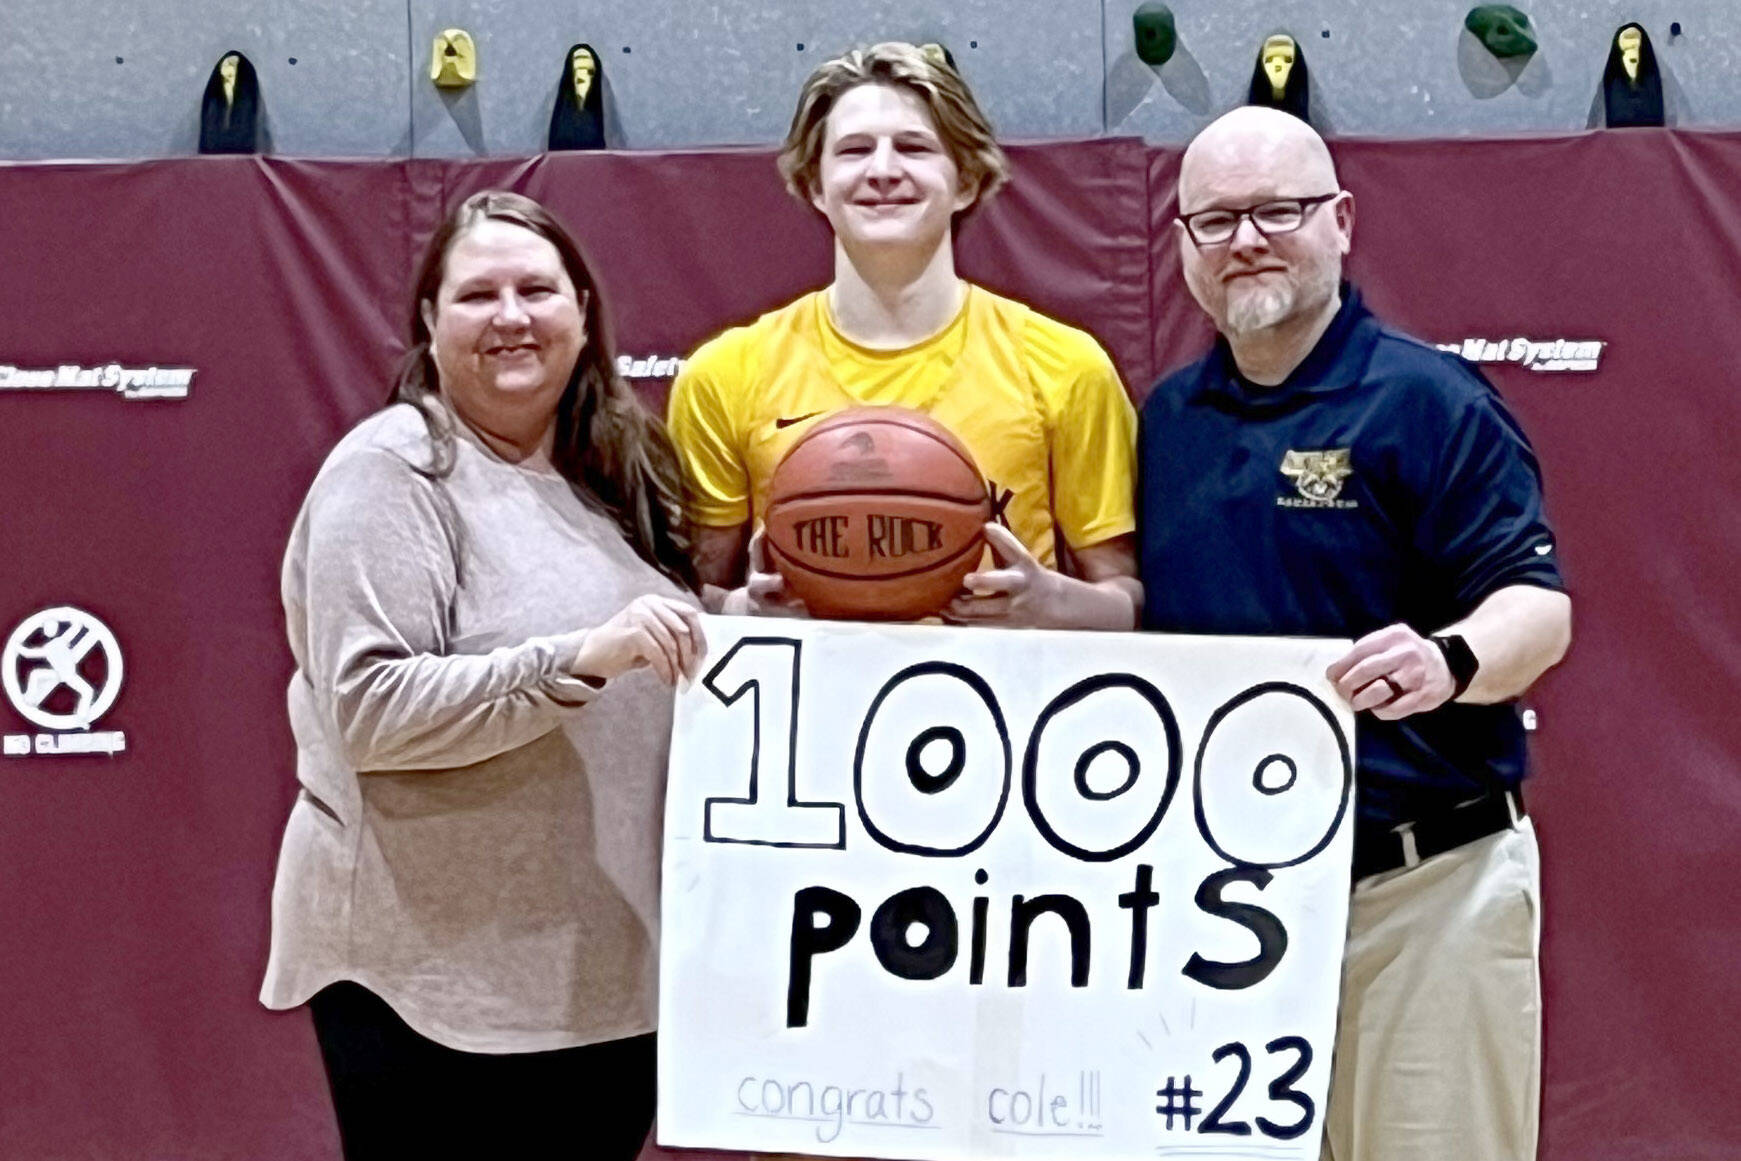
476 837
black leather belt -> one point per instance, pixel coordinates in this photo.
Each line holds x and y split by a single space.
1412 842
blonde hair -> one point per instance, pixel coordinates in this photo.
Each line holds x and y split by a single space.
962 125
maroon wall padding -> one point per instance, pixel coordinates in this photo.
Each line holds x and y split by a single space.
1632 238
133 890
689 243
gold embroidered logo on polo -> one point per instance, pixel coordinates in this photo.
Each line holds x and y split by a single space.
1318 476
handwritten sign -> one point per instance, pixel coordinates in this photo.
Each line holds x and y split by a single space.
967 893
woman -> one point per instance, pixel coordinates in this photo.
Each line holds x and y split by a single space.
486 586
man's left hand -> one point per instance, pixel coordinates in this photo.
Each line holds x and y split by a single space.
1394 672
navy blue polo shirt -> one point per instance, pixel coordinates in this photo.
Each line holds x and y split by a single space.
1384 481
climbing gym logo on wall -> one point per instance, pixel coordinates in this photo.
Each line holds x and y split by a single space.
649 366
1532 354
127 382
61 670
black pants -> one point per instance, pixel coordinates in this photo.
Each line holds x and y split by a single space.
401 1095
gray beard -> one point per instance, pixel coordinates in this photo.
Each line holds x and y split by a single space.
1268 307
1260 309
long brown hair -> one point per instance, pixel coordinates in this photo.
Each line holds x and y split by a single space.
613 452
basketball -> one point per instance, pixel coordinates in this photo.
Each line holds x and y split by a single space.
876 514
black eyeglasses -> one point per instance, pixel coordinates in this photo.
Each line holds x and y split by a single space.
1281 216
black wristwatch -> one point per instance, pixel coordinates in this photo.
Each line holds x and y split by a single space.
1461 661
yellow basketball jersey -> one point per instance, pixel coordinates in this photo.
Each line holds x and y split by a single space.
1038 404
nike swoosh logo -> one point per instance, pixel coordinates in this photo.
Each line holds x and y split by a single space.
784 423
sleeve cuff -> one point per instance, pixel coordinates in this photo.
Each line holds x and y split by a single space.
1541 578
719 515
1099 533
571 692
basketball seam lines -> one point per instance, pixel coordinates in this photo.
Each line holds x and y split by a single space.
976 542
880 421
847 494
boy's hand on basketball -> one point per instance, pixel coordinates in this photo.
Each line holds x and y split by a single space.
1019 593
764 593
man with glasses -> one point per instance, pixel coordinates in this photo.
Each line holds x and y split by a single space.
1319 474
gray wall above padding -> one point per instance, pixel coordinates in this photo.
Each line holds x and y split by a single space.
101 78
91 79
1408 68
680 75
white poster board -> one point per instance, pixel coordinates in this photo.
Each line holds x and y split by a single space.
967 893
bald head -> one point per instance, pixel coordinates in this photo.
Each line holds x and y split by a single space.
1257 151
1273 279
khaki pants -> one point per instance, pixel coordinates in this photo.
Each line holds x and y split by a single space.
1438 1048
